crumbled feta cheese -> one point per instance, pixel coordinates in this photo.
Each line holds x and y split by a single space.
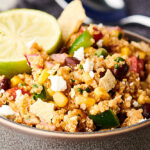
135 104
142 120
79 54
91 73
88 66
58 83
30 43
5 110
18 95
129 98
2 91
99 43
72 93
123 82
43 110
131 83
100 25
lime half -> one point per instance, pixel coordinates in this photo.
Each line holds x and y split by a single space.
18 28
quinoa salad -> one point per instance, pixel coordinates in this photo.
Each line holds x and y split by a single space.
98 80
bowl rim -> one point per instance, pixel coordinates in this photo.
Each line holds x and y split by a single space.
77 135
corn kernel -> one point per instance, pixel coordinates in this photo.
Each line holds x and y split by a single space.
15 81
125 51
50 92
88 101
141 54
44 75
60 99
115 33
101 93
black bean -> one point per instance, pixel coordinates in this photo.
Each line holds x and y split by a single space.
122 117
102 74
146 111
4 83
71 61
121 71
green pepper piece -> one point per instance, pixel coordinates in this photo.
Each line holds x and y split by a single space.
84 40
105 120
101 52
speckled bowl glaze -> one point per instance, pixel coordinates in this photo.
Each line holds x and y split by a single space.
14 136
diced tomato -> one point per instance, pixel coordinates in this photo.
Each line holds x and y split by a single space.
137 65
12 91
97 36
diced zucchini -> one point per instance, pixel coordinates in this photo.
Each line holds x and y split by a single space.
105 120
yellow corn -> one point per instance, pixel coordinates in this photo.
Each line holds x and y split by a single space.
115 33
44 75
60 99
141 54
50 92
142 99
125 51
88 101
15 81
101 93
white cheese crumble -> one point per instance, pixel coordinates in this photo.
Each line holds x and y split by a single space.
58 83
99 43
135 104
129 98
2 91
5 110
100 25
72 93
123 82
91 73
88 65
79 54
18 95
131 83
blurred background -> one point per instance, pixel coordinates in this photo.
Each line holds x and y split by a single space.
109 12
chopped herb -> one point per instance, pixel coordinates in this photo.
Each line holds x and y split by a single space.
42 95
78 115
119 35
138 57
88 90
116 66
72 80
80 90
119 59
35 86
21 84
81 67
101 52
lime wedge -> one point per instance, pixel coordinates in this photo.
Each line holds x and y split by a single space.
18 28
